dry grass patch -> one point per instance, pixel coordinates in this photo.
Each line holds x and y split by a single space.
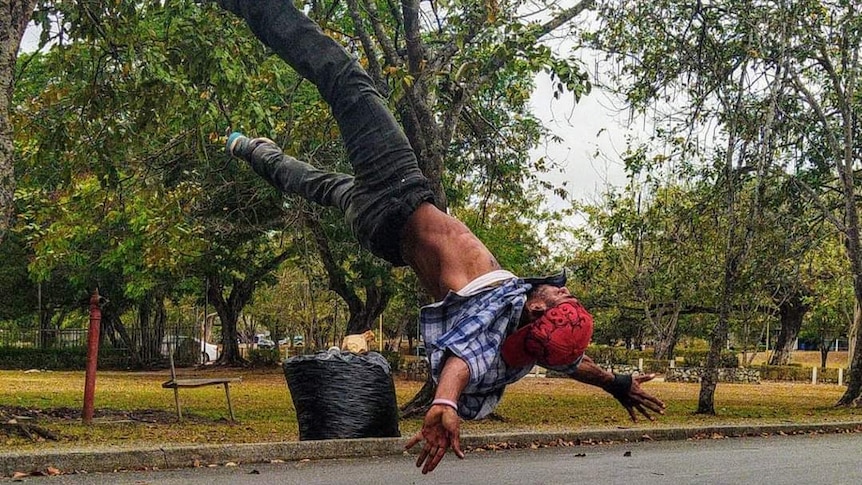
265 412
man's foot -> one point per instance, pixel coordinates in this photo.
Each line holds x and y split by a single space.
241 146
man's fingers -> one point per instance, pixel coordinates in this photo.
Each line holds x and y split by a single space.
415 439
421 458
434 459
456 446
640 378
643 411
631 410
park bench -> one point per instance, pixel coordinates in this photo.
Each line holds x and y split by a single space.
177 383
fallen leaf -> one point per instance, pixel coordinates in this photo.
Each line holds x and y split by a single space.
53 471
628 453
20 475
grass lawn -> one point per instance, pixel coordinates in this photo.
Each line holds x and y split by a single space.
265 412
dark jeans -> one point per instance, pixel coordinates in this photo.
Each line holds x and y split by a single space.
387 185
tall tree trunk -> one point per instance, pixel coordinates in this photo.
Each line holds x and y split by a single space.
825 343
229 316
666 327
151 319
791 312
14 16
363 315
855 327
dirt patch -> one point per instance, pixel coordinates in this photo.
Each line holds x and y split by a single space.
19 421
60 415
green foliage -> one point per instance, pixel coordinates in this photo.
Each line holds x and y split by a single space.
394 359
264 357
785 373
697 358
59 359
605 354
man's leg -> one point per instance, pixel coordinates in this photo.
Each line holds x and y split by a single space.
290 175
388 184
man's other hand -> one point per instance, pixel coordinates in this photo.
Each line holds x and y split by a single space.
637 400
440 430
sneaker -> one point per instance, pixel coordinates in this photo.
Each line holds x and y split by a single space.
241 146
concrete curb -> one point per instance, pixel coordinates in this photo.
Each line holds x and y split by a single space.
113 459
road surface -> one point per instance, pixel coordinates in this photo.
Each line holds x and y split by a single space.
809 459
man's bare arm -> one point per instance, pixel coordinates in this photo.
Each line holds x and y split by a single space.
626 389
442 426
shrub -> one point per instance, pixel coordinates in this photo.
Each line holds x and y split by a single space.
264 357
394 359
68 358
784 373
655 366
697 358
606 354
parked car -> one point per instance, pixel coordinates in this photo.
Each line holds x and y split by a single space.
205 351
263 341
298 341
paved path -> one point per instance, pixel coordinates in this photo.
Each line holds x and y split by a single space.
804 459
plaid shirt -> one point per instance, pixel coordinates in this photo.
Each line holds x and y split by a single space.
473 328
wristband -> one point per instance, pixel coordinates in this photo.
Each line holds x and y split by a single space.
620 386
446 402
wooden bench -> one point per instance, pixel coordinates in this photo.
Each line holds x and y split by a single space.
176 384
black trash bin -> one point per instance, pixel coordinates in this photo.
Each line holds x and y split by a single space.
342 395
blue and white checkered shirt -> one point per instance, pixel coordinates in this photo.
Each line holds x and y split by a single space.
473 328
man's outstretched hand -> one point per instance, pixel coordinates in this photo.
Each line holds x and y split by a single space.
440 430
628 391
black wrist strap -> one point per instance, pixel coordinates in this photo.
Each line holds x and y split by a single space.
621 385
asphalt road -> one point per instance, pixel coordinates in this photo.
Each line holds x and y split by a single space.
809 459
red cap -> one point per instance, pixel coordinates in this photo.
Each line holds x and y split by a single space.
559 337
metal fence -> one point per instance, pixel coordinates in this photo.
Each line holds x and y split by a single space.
137 347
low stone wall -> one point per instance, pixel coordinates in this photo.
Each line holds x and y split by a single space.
616 368
415 370
741 375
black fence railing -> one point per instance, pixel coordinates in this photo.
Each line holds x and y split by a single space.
133 347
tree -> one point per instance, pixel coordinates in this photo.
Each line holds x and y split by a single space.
775 78
14 17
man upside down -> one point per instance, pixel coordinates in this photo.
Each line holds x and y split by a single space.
488 327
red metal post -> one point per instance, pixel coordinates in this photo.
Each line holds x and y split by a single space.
92 357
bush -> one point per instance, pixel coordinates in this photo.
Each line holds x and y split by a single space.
697 358
784 373
655 366
605 354
394 359
69 358
264 357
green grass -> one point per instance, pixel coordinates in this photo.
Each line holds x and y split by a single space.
265 412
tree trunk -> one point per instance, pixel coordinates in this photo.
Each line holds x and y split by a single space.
824 351
664 347
14 15
853 395
421 401
855 327
362 315
791 311
665 326
151 319
229 316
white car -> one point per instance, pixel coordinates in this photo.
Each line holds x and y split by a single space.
208 352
